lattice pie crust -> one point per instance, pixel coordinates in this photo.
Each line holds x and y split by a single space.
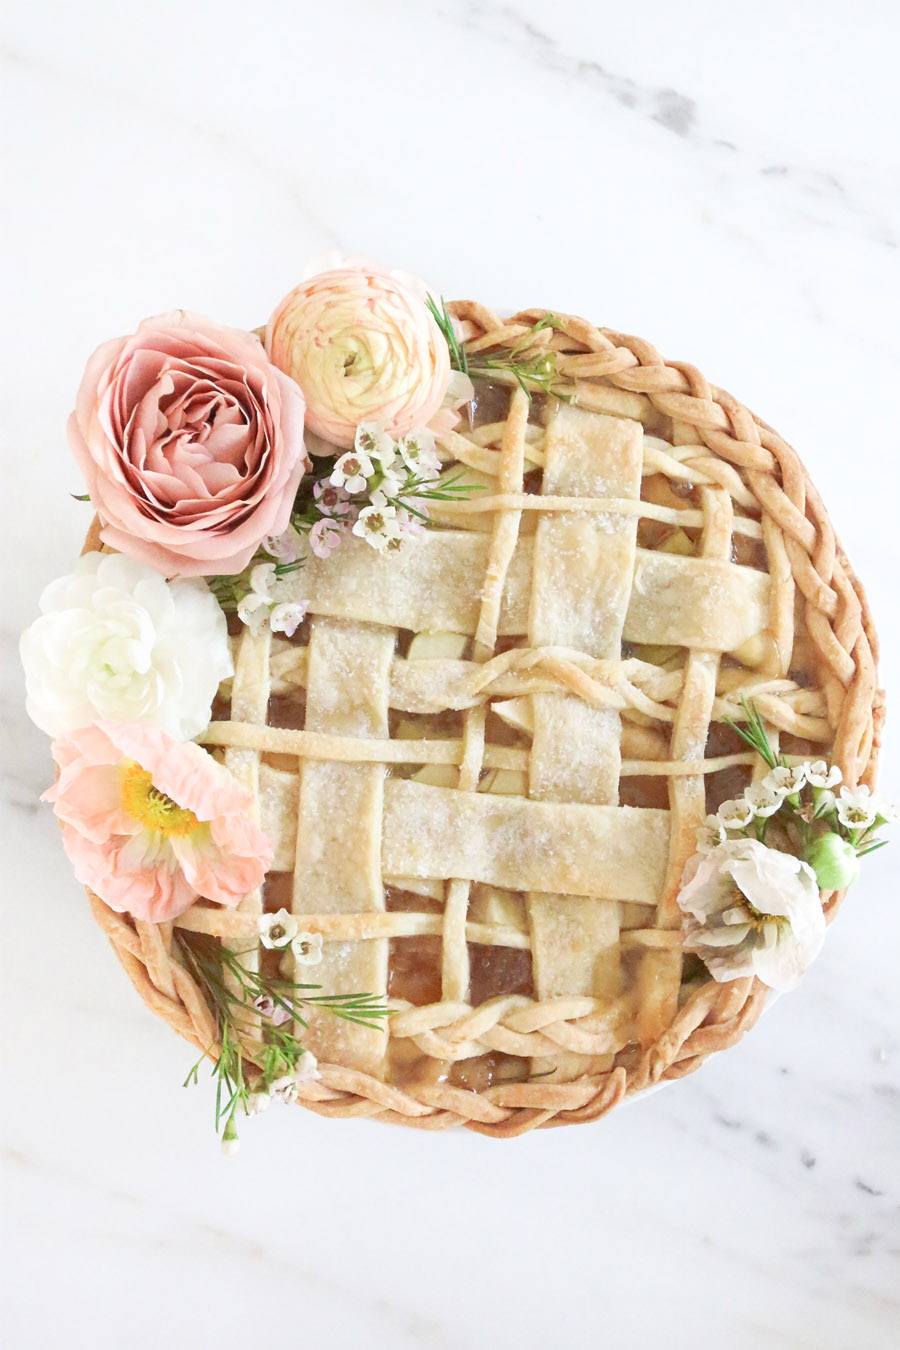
484 758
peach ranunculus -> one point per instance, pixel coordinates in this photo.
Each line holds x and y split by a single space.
150 823
191 442
363 346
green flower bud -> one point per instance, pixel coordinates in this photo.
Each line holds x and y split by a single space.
229 1141
834 862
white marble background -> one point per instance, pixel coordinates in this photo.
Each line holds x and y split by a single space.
721 179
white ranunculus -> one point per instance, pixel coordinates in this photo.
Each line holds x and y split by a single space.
752 910
116 642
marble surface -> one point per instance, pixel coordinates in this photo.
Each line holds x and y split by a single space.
719 179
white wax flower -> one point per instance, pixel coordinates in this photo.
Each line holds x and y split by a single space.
752 910
285 1088
372 441
710 834
307 949
763 800
388 488
306 1070
268 603
116 642
819 774
857 808
786 779
352 471
736 814
378 526
277 930
418 453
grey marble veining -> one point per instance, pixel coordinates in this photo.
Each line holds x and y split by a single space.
720 181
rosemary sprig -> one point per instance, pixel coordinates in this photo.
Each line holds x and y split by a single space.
231 989
447 490
229 591
533 374
755 735
536 374
441 316
872 848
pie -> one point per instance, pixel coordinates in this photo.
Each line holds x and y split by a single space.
483 761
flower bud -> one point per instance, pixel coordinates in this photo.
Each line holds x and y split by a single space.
834 862
230 1141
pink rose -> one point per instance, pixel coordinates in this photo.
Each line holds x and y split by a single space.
191 443
150 823
363 346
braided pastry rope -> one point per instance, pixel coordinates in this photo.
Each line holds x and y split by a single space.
725 447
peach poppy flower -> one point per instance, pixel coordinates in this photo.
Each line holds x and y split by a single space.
150 824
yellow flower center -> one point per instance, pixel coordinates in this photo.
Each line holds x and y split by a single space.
153 808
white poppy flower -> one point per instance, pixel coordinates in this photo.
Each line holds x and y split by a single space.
736 814
752 910
763 799
307 948
711 834
352 471
372 440
819 774
116 642
277 930
857 808
786 779
378 526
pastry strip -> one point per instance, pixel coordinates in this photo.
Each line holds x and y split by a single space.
583 566
575 849
250 703
454 948
338 860
659 972
436 587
